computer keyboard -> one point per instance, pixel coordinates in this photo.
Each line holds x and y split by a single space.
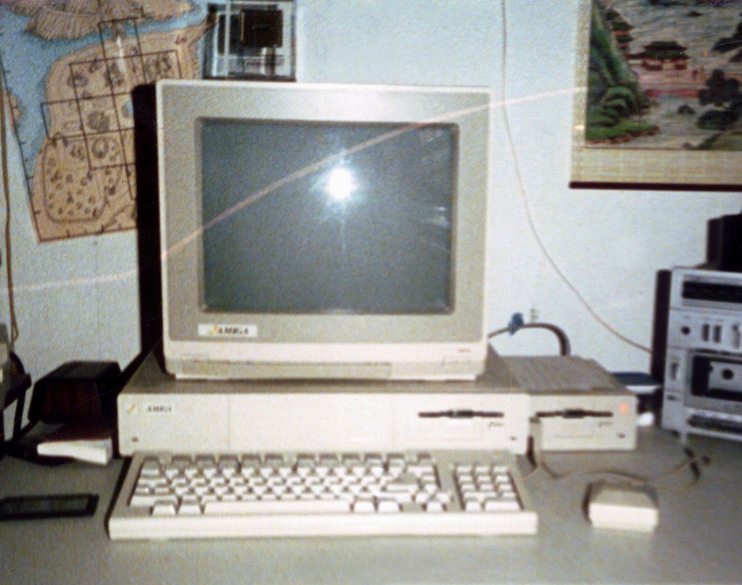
173 496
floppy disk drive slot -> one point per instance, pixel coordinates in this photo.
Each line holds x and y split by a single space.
574 413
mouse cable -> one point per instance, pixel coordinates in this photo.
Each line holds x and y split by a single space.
692 461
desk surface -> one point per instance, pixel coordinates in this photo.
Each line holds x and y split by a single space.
696 541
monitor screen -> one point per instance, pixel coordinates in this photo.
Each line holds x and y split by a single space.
323 230
364 226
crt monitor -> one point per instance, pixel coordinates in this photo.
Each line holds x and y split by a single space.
323 231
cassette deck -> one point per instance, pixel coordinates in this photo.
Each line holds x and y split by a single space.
703 366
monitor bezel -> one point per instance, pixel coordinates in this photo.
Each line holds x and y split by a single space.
457 339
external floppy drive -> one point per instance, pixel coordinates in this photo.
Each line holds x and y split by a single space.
576 405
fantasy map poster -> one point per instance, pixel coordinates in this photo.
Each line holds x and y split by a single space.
68 70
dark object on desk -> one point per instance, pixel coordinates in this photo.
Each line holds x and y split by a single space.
13 422
48 506
725 243
72 415
77 390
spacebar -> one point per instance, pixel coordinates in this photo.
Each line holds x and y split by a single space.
278 507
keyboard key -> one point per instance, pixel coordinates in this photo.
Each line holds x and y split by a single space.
278 507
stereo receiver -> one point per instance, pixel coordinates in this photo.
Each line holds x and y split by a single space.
703 366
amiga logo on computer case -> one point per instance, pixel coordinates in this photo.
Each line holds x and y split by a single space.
226 330
134 408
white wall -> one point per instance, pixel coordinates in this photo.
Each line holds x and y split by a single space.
75 299
79 299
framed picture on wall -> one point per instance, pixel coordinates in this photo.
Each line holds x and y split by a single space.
661 99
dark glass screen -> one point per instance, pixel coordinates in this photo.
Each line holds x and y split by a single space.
310 218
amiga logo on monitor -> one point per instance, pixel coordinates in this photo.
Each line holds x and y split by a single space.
323 231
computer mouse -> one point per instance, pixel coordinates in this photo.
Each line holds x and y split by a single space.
623 506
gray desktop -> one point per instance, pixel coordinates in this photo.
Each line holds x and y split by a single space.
692 543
